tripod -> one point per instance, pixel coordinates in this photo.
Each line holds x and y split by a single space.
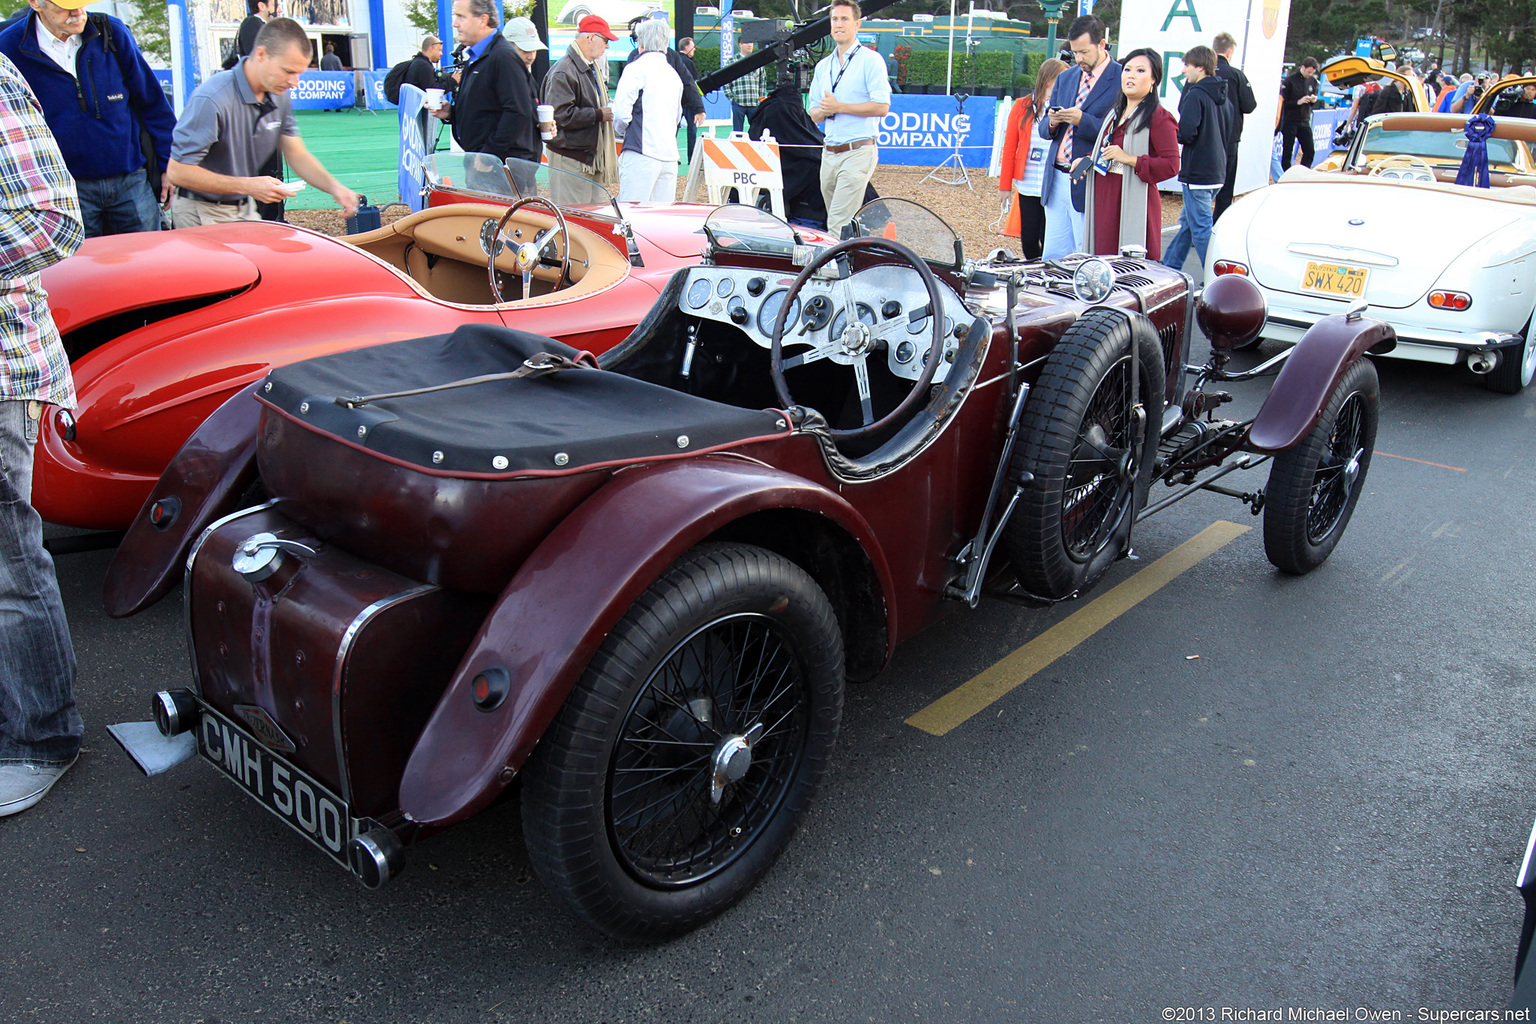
952 171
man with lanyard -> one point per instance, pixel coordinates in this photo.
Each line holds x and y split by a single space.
233 123
1080 100
849 96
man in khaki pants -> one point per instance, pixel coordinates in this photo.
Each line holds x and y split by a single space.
232 125
849 95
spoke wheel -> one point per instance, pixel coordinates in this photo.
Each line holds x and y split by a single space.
527 255
1313 487
1090 450
680 764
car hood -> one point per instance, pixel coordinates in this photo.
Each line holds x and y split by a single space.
1361 223
151 268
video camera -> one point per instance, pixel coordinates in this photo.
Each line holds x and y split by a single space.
793 67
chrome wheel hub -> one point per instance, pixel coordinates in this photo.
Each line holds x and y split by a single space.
731 760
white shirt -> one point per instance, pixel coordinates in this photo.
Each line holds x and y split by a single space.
63 51
650 79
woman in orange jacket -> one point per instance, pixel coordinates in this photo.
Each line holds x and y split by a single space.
1023 158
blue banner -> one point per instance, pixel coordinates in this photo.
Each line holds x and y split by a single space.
324 90
924 131
413 146
373 91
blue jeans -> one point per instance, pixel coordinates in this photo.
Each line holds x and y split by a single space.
38 720
1194 228
1063 222
116 206
739 116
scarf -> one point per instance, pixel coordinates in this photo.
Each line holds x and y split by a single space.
1134 197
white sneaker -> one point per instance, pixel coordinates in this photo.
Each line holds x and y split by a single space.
22 785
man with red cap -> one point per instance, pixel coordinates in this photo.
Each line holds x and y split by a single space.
577 88
97 92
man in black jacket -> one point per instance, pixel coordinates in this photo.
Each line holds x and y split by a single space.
1203 121
1298 96
422 71
493 107
1240 103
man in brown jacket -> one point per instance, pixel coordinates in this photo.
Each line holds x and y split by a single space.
574 87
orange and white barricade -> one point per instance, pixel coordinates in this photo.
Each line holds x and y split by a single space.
737 163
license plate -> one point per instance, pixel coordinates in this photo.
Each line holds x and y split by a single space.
308 807
1335 279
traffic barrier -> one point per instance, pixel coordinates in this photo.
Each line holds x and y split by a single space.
737 163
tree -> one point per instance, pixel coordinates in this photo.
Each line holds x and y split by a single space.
151 25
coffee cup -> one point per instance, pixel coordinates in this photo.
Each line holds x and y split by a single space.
434 98
546 114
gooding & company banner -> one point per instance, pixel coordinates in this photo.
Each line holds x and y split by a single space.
925 131
325 90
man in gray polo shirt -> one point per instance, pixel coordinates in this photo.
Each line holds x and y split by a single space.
233 123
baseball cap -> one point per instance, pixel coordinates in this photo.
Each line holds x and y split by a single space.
521 34
72 5
592 23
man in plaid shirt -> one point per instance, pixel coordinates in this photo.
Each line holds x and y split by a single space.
745 93
40 225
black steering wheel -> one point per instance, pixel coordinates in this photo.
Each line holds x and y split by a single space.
529 254
858 339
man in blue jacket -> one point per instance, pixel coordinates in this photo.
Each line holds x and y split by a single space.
1082 96
96 92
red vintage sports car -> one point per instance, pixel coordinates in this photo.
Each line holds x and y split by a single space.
162 328
640 582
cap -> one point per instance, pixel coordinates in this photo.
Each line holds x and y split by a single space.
521 34
73 5
592 23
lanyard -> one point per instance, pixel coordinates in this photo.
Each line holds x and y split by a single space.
846 65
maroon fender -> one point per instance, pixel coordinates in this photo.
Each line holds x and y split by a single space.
1315 366
552 617
205 480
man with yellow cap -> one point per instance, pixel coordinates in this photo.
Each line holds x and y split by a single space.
97 92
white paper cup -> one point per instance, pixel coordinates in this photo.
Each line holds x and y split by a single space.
434 98
545 113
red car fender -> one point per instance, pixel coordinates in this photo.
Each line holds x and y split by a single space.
205 479
554 614
1314 368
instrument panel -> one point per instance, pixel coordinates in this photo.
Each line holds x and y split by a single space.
889 300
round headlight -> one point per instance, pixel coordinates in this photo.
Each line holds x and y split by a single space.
1093 280
1231 311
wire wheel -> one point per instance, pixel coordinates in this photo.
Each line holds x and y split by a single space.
678 768
1313 486
707 751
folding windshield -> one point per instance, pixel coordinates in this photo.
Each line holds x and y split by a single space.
914 226
512 179
1444 146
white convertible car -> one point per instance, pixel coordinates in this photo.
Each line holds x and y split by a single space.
1451 267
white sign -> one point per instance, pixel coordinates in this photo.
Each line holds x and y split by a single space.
1259 26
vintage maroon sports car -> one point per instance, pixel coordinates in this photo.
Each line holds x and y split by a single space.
162 328
638 584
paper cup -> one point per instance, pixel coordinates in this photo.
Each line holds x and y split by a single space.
434 98
546 117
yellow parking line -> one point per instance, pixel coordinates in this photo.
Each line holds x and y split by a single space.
992 683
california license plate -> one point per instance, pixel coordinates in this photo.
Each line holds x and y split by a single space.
309 808
1335 279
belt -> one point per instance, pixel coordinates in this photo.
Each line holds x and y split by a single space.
846 146
238 201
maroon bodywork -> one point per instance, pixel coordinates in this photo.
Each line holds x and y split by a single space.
369 648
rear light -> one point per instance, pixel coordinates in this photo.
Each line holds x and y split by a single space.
1229 267
64 422
164 512
489 688
1450 300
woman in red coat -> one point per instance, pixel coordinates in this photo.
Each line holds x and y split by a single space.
1023 159
1139 144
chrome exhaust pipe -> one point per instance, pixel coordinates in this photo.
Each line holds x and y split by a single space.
1483 362
175 711
376 856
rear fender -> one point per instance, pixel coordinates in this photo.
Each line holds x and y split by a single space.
206 479
1311 372
550 620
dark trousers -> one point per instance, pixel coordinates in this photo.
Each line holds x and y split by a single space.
1224 197
693 134
1031 225
272 168
1292 134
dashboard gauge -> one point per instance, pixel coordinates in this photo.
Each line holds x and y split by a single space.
769 312
840 322
724 287
698 293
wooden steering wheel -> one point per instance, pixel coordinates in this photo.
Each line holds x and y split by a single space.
1400 162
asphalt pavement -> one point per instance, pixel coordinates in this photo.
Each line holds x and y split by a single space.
1246 792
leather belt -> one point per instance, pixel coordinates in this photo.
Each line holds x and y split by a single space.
846 146
238 201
